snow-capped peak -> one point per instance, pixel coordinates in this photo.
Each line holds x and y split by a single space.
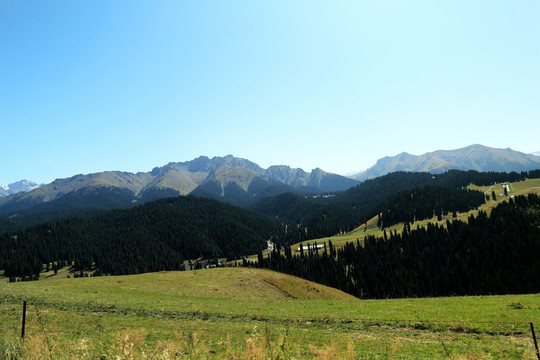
16 187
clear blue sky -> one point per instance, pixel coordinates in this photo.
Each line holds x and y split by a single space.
87 86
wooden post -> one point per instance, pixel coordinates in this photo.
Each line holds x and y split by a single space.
535 343
23 320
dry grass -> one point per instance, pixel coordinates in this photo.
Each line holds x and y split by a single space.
261 344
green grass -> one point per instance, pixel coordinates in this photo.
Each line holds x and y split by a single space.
252 313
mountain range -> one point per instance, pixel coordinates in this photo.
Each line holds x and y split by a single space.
474 157
230 179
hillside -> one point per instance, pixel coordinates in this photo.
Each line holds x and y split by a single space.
495 254
158 235
370 228
221 283
312 217
474 157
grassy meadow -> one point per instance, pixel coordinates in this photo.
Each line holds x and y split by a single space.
240 313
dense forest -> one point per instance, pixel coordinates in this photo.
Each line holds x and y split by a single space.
499 254
155 236
426 202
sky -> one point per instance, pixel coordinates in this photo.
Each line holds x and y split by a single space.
89 86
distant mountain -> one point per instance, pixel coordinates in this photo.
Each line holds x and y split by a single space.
234 180
474 157
536 153
16 187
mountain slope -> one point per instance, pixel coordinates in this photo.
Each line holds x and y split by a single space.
239 186
474 157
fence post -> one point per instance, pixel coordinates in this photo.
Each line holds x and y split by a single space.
23 320
534 338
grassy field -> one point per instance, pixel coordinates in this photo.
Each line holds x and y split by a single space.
239 313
